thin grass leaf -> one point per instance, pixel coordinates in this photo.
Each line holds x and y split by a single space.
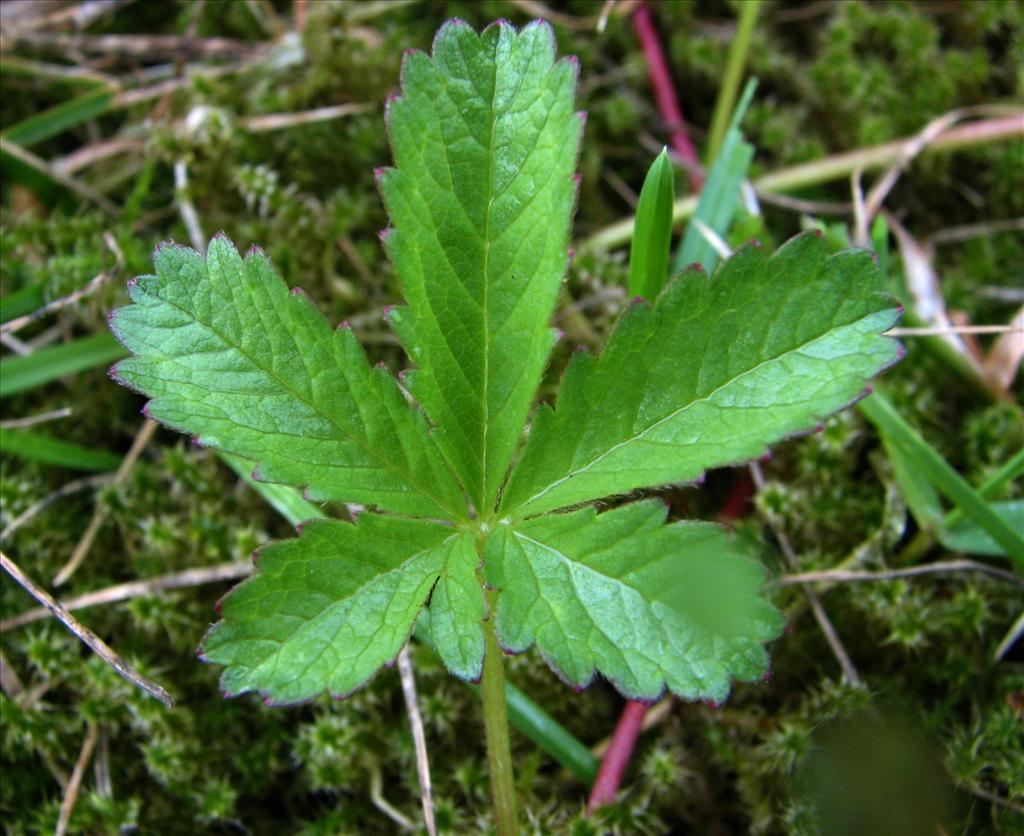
21 302
59 118
921 498
46 450
720 196
18 374
286 500
967 536
652 240
1012 468
943 477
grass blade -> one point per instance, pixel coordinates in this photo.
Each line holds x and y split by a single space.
733 74
21 302
284 499
46 450
1012 469
944 478
967 536
17 374
720 196
921 498
652 240
59 118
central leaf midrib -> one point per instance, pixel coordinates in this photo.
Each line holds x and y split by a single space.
677 412
487 279
316 409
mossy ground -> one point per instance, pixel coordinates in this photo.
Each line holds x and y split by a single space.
833 77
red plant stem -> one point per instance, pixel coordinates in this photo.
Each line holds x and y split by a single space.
738 503
616 759
665 95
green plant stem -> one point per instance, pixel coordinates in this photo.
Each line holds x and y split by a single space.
731 83
499 753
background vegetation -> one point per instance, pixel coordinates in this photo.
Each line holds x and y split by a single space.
935 726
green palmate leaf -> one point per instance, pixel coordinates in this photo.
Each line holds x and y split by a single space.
227 354
652 238
325 611
709 375
485 142
645 604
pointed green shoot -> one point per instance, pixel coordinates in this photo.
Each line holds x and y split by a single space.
652 240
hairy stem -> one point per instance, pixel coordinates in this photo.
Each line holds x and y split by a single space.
499 754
